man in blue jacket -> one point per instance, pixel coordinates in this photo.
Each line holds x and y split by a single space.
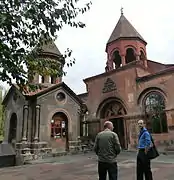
143 162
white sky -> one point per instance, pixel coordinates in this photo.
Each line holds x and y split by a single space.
153 19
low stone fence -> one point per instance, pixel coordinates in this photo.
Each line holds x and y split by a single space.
30 151
80 146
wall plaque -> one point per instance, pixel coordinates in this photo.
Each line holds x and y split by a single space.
109 86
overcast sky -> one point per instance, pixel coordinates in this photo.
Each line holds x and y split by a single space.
153 19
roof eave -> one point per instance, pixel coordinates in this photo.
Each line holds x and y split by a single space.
71 92
125 38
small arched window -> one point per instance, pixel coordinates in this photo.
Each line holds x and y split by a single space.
154 107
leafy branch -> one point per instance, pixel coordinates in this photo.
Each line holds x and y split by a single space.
22 22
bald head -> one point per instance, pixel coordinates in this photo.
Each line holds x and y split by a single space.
140 121
108 125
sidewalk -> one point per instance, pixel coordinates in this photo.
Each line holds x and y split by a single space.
84 167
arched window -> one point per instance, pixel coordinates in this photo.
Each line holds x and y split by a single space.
130 55
12 128
117 59
59 125
154 106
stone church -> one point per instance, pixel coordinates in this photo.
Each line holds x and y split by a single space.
131 87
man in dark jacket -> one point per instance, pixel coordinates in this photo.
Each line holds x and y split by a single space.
107 147
143 162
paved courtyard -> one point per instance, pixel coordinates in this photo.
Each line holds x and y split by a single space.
84 167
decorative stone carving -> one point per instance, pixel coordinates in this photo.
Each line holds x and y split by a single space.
114 109
109 86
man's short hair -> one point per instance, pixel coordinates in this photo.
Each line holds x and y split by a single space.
107 124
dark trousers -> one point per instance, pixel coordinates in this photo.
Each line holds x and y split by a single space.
143 166
111 168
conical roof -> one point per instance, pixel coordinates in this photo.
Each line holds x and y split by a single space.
124 29
49 47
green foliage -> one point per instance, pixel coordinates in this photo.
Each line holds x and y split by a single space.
22 22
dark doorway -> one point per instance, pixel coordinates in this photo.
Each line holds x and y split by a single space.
119 129
12 128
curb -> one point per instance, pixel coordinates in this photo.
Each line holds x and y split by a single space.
52 155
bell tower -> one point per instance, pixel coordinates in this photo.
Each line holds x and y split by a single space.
49 52
125 45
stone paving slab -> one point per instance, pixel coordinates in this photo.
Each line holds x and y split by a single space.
82 168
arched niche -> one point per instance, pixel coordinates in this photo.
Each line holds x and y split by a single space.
130 55
12 128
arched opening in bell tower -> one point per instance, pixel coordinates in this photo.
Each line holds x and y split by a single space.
53 79
130 55
42 79
117 59
142 55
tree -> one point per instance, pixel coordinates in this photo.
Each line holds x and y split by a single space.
22 22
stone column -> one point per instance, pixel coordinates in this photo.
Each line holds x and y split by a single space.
25 123
137 57
123 61
36 136
145 63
